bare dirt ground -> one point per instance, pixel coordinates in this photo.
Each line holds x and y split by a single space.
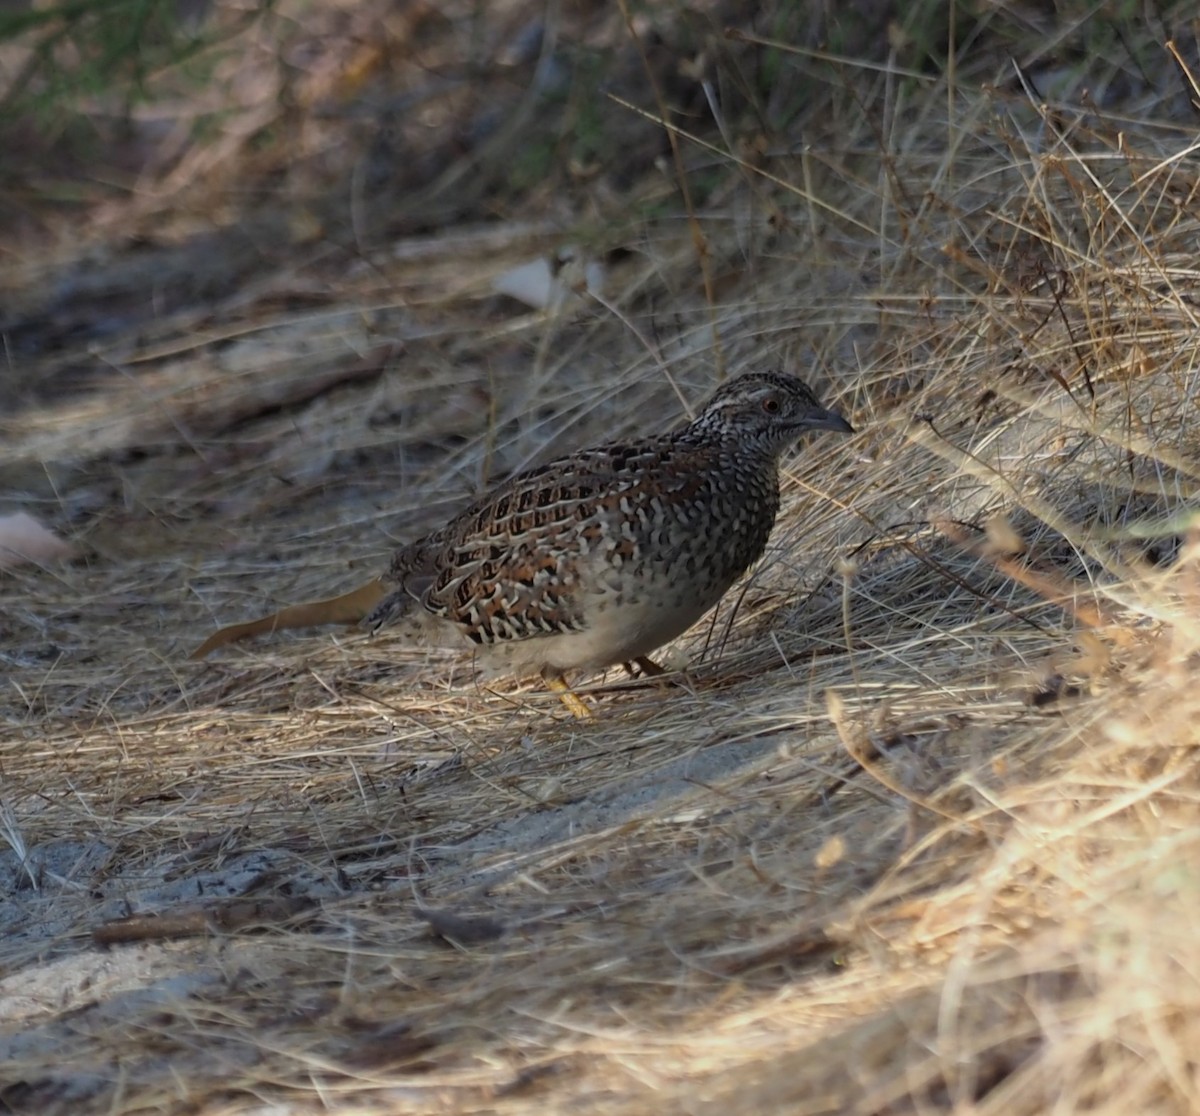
915 829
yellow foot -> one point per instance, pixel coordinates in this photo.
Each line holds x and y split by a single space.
567 696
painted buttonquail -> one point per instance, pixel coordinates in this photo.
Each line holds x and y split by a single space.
604 555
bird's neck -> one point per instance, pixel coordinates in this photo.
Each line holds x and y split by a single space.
755 453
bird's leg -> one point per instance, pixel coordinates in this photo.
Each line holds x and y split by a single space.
649 668
646 668
574 703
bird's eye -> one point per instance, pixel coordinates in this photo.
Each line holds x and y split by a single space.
771 405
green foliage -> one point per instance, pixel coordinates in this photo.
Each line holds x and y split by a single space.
84 48
575 125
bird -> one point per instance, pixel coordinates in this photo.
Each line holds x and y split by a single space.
601 557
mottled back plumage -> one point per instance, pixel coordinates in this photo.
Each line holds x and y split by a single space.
602 556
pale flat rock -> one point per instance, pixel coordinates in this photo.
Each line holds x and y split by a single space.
24 539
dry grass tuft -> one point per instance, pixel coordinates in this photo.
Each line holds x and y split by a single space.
916 832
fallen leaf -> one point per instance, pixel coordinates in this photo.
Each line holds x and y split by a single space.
349 608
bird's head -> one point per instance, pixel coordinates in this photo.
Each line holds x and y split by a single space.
770 409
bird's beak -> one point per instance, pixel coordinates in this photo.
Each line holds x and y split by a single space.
829 420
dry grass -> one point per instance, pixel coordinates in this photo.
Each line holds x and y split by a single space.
917 832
